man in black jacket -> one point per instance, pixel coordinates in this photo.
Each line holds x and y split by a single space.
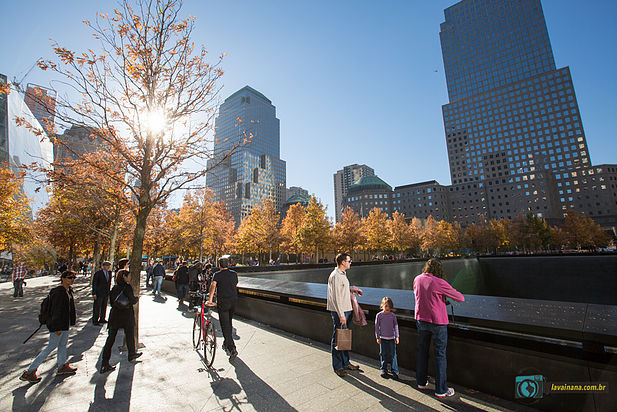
101 284
60 317
159 274
182 282
225 284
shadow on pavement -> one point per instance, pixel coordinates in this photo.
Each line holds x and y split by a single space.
395 401
37 393
121 398
159 299
258 393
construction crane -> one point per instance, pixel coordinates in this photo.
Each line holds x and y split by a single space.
18 83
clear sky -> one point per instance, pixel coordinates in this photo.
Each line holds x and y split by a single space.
353 81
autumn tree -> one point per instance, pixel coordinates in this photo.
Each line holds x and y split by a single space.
400 232
476 237
416 229
376 231
15 215
195 220
61 223
243 238
37 252
500 234
150 96
157 231
348 234
290 230
221 229
530 232
104 206
580 231
264 227
315 230
440 236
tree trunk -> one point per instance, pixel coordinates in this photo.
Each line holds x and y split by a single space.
135 262
114 239
97 257
70 256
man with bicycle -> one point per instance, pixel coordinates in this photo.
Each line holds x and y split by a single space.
224 283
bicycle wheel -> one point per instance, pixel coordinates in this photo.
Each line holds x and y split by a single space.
209 344
197 332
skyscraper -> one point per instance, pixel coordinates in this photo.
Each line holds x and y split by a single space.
42 103
343 179
513 122
254 172
75 142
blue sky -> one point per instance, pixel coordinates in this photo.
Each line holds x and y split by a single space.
352 81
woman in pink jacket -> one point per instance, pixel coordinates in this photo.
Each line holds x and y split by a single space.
431 290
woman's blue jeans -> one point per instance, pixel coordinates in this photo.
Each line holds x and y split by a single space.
439 333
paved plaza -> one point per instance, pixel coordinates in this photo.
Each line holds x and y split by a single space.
275 371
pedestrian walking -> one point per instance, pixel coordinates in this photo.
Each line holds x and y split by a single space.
430 291
121 316
181 276
386 332
60 318
101 284
149 272
225 282
339 305
18 275
158 273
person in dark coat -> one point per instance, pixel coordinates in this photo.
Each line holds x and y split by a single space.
121 318
225 283
101 284
182 282
159 274
60 318
149 269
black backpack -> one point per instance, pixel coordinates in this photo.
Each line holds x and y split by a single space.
43 314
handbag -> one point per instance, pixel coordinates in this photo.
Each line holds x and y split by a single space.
343 339
121 301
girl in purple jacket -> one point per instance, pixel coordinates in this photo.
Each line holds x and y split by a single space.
386 332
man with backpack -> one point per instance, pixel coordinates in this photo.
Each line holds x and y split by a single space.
59 316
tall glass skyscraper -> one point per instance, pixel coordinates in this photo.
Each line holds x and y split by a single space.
513 123
255 172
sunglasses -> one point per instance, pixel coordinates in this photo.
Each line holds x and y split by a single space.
70 277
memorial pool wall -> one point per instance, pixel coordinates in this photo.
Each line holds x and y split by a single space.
549 316
584 279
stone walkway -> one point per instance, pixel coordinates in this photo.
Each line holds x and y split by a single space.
275 371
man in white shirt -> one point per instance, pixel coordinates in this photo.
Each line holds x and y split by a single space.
339 305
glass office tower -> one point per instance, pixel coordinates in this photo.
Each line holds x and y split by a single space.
254 172
513 120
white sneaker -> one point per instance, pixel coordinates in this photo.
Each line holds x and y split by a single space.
423 386
450 392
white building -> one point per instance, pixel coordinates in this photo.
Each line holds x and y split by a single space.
20 146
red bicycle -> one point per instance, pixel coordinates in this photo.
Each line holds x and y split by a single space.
204 338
